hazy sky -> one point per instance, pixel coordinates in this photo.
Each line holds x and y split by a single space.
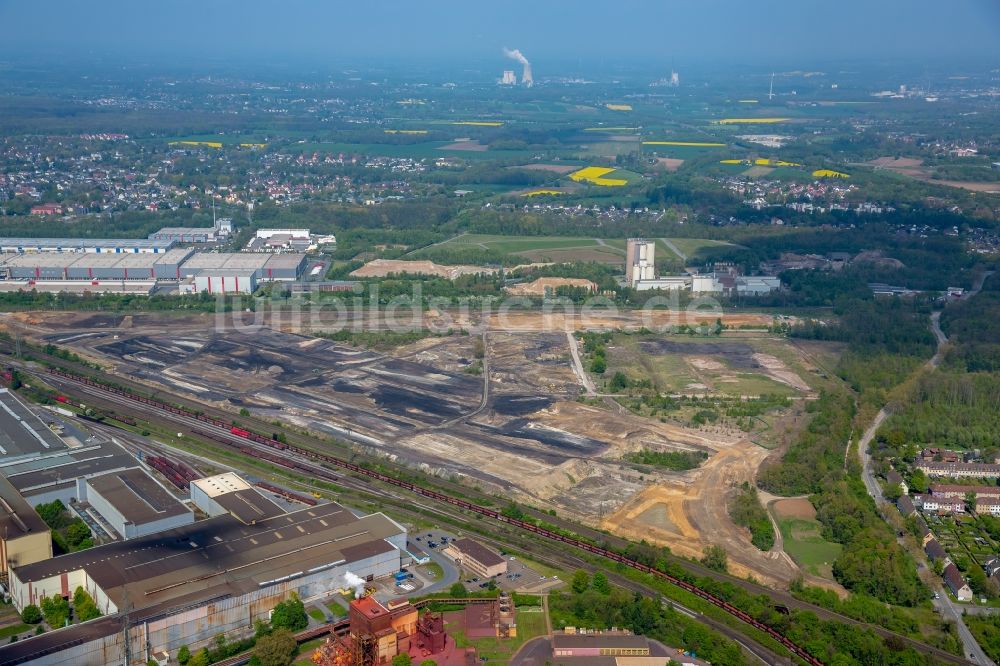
773 32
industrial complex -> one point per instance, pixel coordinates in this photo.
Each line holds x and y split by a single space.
171 580
190 584
640 274
58 266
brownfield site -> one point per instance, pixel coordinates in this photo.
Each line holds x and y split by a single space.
521 429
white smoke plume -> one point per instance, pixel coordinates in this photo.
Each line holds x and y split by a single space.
515 55
355 582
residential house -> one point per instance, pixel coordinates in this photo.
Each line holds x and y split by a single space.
905 506
959 470
992 565
932 504
988 506
956 583
895 479
959 491
936 552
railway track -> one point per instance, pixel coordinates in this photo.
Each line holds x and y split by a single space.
132 401
225 432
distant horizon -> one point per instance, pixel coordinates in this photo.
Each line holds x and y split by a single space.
785 33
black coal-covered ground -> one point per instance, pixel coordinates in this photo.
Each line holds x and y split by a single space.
401 401
519 405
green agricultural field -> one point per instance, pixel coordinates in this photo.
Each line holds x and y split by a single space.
680 152
692 246
805 544
539 248
421 150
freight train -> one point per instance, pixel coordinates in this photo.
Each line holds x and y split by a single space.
614 556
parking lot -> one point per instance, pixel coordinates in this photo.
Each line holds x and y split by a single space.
519 577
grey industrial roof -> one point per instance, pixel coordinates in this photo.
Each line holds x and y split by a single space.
351 538
136 496
48 472
85 242
217 556
224 260
22 433
248 506
184 230
478 552
17 517
95 260
284 260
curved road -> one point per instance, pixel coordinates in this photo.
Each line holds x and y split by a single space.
943 605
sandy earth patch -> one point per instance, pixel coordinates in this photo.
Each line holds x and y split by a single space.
798 507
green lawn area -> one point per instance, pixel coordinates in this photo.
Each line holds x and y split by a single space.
7 632
513 244
432 569
305 652
691 246
498 652
807 547
316 614
336 609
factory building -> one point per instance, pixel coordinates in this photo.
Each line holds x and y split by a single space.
222 228
85 245
94 267
24 536
477 558
229 494
187 585
231 272
134 504
667 282
97 478
640 261
210 272
269 240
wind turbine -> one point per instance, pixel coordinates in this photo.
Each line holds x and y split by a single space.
770 93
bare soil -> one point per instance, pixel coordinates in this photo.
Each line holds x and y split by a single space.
798 507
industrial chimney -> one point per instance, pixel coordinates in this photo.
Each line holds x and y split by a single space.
526 78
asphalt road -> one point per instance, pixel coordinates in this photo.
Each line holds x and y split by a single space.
945 607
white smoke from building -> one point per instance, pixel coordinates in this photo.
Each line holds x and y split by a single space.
356 583
515 54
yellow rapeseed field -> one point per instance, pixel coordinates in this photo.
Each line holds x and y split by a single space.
479 123
253 145
827 173
619 107
762 161
595 176
704 144
751 121
538 193
210 144
766 162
